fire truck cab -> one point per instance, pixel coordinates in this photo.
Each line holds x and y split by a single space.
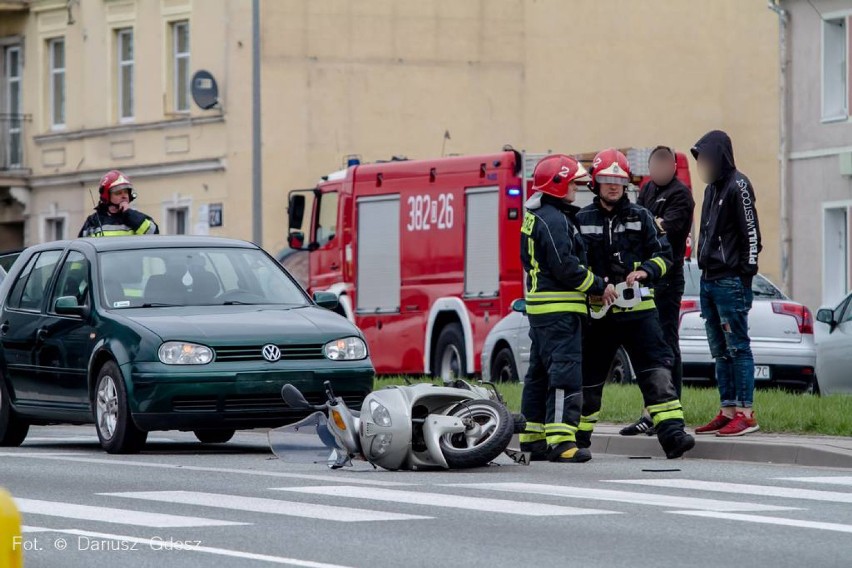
423 254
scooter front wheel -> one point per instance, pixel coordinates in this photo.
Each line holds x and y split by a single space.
489 429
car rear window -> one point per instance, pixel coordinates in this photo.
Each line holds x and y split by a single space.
760 286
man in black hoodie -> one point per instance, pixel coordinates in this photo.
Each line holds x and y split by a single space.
671 203
727 255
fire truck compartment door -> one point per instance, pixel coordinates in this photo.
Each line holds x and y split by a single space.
482 242
378 278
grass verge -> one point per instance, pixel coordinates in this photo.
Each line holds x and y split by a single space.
776 410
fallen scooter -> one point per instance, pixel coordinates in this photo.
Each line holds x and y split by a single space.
405 427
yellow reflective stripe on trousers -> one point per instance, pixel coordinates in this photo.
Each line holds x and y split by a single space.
533 432
671 410
661 263
670 415
559 428
587 423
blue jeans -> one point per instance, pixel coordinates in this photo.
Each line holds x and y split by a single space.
725 305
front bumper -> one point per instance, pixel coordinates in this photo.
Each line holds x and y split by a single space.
167 397
790 364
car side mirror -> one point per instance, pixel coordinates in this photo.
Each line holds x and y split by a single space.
296 211
327 300
68 306
519 305
826 316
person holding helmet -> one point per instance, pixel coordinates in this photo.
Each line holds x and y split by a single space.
557 282
623 245
113 216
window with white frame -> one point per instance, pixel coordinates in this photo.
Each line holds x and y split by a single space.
13 143
180 64
834 69
56 64
54 229
124 44
177 219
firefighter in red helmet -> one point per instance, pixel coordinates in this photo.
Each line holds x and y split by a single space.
557 282
623 245
113 216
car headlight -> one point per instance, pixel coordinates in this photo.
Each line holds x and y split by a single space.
380 414
346 349
182 353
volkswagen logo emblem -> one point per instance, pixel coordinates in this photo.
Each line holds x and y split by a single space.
271 353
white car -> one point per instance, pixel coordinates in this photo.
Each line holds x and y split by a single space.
834 348
781 333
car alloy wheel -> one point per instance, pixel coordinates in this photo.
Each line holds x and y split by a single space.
107 407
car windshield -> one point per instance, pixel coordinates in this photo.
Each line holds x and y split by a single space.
760 286
164 277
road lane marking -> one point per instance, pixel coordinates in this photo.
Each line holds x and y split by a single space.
743 489
81 439
115 516
445 500
767 520
271 506
156 544
344 477
837 480
653 499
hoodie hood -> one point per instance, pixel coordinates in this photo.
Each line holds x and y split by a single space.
717 146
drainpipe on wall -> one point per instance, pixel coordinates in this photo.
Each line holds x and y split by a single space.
783 158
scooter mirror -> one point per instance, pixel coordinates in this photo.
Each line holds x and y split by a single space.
293 397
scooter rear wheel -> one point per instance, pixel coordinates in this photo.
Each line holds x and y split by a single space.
489 431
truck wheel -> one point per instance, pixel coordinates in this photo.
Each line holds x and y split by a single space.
503 369
621 372
214 436
450 358
116 430
490 427
13 429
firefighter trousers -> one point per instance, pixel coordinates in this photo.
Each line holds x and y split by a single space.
552 395
651 357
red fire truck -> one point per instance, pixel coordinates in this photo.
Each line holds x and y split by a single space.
423 254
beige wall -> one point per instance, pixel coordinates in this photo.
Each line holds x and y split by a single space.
385 77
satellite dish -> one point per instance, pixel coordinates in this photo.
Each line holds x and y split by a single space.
205 92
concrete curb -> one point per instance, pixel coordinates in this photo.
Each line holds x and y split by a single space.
793 450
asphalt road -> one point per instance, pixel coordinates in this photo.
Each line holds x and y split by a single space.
183 504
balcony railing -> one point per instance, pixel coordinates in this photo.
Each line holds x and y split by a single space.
12 141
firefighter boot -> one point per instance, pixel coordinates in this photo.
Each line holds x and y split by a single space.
568 452
673 438
539 451
584 439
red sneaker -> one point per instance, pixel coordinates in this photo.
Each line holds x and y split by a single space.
739 426
714 425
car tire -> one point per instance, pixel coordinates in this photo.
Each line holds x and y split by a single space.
620 372
113 422
214 436
13 429
503 368
450 359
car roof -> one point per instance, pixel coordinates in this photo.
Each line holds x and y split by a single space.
104 244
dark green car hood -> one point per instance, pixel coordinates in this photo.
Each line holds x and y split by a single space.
243 325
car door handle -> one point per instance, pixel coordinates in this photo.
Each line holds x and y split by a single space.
41 335
334 265
4 327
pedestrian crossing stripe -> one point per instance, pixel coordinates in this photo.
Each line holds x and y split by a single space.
760 519
114 516
446 500
653 499
269 506
830 480
743 489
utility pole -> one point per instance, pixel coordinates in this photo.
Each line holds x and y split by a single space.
256 161
783 154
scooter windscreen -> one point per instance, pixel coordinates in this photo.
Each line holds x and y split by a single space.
311 442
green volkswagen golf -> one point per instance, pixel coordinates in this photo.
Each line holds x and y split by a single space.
136 334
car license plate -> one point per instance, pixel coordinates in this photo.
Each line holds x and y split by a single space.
761 372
